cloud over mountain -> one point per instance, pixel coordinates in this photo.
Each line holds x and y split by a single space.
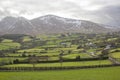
101 11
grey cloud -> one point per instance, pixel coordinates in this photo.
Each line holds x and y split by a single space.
107 13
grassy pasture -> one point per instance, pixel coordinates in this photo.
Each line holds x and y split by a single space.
30 50
73 56
111 73
26 38
116 55
7 59
7 40
8 45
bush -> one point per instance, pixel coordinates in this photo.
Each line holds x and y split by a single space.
78 58
16 61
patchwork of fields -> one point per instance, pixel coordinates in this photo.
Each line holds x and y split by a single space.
60 50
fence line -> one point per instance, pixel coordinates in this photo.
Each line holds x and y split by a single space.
53 68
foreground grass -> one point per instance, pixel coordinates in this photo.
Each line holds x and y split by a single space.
111 73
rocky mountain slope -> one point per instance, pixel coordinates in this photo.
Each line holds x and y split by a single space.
49 24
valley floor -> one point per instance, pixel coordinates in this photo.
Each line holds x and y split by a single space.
111 73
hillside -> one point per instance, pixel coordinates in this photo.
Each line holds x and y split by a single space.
49 24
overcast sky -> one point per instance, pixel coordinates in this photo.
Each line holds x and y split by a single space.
101 11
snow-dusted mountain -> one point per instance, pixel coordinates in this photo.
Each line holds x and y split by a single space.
20 25
48 24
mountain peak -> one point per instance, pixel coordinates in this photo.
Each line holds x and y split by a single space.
48 24
50 15
21 18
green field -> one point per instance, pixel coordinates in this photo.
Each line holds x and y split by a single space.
8 45
10 59
111 73
7 40
116 55
82 55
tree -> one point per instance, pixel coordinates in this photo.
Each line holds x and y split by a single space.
23 55
69 51
61 57
104 53
79 47
33 60
16 61
2 54
14 51
78 58
62 35
1 39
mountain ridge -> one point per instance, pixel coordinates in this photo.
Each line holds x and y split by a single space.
49 24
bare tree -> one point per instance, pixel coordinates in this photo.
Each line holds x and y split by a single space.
33 60
61 57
